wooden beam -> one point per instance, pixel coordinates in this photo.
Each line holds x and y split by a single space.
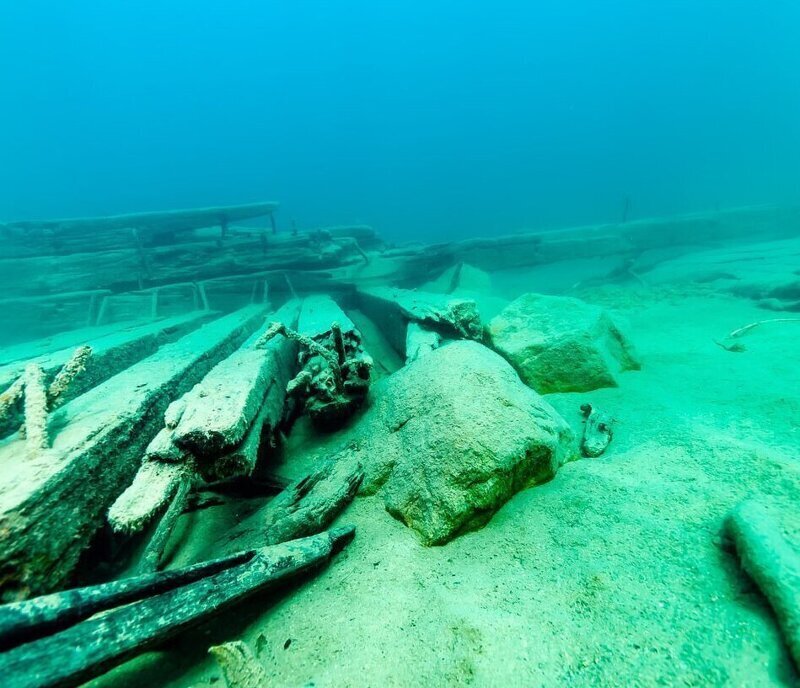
52 503
111 354
147 222
94 646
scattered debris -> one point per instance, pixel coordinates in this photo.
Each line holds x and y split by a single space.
735 347
597 431
744 330
335 370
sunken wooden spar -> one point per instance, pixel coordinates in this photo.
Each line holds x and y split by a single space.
148 222
22 622
94 646
51 507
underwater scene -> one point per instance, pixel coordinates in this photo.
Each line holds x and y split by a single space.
350 344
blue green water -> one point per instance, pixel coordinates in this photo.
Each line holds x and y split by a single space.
422 119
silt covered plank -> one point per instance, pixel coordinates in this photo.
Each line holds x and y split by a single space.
156 221
52 501
111 354
217 414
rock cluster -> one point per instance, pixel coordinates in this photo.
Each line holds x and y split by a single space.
451 437
561 344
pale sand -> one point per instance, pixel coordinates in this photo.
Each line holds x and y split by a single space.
612 574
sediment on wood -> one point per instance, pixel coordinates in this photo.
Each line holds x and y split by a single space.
51 504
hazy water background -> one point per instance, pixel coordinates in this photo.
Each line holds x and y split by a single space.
425 119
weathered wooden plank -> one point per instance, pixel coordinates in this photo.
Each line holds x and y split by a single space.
218 412
94 646
22 622
242 459
153 221
393 309
111 354
52 502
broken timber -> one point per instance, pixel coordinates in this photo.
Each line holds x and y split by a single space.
22 622
215 429
394 310
52 503
304 508
217 414
111 354
94 646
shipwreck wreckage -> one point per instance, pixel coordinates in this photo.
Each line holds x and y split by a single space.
149 357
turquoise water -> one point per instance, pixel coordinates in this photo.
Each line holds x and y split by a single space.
454 342
427 120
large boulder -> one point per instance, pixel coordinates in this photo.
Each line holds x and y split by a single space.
451 437
561 344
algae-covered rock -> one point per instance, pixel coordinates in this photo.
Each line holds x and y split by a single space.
452 436
561 344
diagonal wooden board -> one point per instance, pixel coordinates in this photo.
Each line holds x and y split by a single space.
111 353
51 503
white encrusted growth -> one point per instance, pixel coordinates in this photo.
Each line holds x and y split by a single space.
35 408
38 398
71 369
10 397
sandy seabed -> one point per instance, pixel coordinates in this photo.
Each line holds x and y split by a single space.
615 573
